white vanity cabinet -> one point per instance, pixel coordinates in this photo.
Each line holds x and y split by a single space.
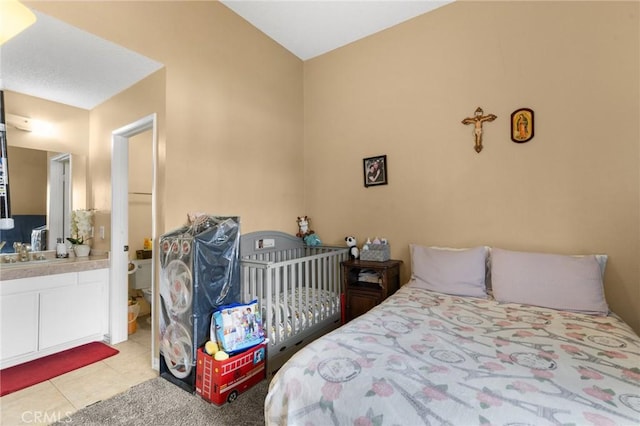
47 314
19 326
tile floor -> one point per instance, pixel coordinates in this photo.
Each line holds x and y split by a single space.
57 398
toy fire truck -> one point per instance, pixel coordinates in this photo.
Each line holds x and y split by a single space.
222 381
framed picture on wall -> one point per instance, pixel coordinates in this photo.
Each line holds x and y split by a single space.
522 125
375 171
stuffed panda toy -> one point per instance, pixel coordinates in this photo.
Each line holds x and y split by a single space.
354 253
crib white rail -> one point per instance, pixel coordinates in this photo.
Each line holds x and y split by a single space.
299 291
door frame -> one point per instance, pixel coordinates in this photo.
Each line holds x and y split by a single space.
118 322
59 202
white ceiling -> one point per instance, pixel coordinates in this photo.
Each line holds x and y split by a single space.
308 28
55 61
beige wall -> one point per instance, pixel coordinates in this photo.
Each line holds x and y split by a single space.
68 132
144 98
69 125
233 106
574 188
251 130
27 180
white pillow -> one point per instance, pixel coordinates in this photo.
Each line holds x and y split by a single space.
572 283
453 271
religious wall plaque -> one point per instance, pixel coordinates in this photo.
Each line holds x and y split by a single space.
522 125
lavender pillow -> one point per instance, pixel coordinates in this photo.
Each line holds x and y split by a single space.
458 272
572 283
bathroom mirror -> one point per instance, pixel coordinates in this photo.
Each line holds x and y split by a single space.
45 186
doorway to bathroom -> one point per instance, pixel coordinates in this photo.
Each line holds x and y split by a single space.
140 240
129 144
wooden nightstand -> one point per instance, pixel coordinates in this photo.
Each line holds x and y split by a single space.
362 295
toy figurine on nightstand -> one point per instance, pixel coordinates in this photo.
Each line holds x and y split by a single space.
352 243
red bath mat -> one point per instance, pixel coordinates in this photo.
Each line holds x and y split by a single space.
18 377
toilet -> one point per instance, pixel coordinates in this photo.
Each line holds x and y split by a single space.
147 294
140 277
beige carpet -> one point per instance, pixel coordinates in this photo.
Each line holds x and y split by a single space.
158 402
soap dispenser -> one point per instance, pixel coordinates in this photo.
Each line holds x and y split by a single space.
61 249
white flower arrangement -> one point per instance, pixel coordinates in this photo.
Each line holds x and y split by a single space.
81 226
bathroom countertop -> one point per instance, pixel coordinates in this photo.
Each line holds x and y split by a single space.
49 267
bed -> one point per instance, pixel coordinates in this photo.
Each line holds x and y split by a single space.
297 286
462 344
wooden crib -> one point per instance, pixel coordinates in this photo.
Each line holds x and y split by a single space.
298 287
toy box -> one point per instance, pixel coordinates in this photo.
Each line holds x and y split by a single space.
222 381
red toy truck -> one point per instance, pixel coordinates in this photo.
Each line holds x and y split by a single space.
222 381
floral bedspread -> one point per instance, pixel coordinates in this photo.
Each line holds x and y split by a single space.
429 358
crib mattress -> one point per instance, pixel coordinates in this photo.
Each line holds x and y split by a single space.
298 310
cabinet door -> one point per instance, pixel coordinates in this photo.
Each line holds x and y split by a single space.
19 314
72 312
359 302
100 296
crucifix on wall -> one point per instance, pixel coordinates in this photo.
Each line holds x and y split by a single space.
477 120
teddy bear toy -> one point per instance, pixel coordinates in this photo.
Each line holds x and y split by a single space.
303 227
352 243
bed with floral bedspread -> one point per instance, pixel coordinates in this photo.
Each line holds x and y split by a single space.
424 357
